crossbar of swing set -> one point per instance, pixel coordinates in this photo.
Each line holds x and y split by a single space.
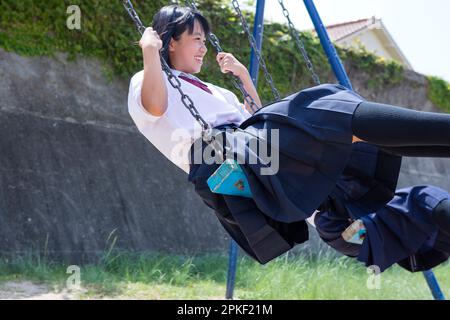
341 75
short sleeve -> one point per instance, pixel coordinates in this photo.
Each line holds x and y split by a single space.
135 108
233 100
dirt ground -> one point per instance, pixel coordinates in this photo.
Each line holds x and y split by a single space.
26 290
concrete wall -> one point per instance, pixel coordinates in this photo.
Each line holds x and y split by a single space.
76 174
74 169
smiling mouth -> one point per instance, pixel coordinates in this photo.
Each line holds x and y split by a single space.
199 59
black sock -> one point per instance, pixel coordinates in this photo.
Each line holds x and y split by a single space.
441 216
393 126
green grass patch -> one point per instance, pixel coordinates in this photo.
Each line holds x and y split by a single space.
156 276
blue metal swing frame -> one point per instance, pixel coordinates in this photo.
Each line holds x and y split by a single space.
341 75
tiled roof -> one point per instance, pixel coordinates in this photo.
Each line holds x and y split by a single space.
342 30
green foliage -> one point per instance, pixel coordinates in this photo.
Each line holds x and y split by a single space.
382 72
439 92
33 27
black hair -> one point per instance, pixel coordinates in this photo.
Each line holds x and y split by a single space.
171 21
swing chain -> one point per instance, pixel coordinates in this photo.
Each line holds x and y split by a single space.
130 9
235 80
173 80
299 43
252 41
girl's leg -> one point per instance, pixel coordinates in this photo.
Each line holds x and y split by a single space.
420 151
387 125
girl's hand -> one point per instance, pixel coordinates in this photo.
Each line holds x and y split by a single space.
150 40
228 63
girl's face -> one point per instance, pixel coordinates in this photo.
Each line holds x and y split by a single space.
186 54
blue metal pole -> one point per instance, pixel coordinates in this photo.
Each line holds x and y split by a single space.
258 29
330 50
232 265
341 75
434 285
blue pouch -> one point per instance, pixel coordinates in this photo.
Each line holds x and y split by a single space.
229 179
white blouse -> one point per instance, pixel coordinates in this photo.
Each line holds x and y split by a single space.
174 132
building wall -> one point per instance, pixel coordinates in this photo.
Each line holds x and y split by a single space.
371 41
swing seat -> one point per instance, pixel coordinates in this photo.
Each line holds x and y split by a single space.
229 179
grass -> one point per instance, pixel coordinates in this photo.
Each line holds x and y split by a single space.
156 276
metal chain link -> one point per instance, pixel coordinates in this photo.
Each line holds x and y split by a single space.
212 38
299 43
252 41
130 9
173 80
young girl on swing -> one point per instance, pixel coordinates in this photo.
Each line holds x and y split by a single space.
317 128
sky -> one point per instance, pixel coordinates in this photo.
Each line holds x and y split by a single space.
421 28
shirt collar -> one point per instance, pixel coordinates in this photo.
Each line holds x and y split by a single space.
188 75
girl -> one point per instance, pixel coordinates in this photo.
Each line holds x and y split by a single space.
413 229
316 129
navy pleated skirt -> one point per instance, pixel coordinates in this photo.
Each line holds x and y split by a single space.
315 143
314 149
401 231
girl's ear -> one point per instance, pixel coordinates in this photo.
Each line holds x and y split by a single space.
172 44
